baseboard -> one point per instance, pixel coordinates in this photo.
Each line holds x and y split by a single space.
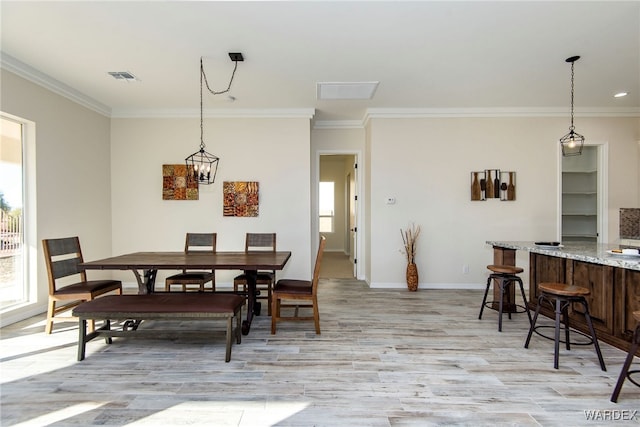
22 313
387 285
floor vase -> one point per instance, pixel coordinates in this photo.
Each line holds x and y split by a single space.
412 277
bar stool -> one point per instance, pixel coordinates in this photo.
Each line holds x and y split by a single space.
625 372
504 276
564 295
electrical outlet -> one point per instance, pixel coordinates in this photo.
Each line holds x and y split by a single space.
465 269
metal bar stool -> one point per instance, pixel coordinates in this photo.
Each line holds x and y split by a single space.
504 277
562 296
625 372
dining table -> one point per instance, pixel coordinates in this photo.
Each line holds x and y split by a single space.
145 266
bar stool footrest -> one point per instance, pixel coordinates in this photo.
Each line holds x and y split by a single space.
562 328
507 308
637 371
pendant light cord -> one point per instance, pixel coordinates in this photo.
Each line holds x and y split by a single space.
201 114
213 92
572 127
203 77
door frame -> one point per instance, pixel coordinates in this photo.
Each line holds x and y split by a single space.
315 239
602 152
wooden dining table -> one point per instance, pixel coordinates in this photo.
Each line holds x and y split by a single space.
145 266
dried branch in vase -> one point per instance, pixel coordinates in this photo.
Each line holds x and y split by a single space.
410 240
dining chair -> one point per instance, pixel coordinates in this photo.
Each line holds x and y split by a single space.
195 243
298 290
254 242
68 284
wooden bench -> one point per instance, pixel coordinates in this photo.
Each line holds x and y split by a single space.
157 306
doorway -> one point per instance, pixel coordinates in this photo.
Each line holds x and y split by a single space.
337 210
584 195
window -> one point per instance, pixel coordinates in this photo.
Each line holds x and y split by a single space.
326 207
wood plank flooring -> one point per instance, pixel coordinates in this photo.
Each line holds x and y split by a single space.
336 265
385 358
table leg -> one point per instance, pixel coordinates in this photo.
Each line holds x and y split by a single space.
82 338
251 275
147 282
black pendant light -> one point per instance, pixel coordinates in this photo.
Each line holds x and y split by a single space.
572 142
203 166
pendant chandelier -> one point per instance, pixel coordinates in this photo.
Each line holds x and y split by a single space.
572 142
202 166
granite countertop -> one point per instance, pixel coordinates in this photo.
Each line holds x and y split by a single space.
581 251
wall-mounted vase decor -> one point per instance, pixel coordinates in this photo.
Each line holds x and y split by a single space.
478 185
177 185
493 184
240 198
508 185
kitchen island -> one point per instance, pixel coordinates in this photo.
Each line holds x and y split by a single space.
613 279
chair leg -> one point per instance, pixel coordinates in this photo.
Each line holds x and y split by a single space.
275 312
593 334
506 287
484 300
533 322
51 309
567 326
316 315
92 323
556 347
524 298
627 364
502 283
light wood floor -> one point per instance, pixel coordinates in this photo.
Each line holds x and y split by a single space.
336 265
385 358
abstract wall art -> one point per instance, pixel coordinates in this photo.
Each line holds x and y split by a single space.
240 198
176 185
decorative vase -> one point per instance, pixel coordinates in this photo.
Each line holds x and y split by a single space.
475 187
412 277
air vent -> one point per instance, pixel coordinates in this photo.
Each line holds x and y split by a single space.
123 76
346 90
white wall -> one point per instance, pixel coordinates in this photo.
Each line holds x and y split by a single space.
72 177
274 152
425 164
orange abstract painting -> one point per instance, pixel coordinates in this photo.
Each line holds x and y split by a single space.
240 198
176 185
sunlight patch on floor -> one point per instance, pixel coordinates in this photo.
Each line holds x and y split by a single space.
237 413
60 415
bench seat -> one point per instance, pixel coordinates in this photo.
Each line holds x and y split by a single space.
158 306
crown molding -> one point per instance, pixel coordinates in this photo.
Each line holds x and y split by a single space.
228 113
396 113
27 72
338 124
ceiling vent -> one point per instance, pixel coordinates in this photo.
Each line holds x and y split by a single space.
346 90
123 76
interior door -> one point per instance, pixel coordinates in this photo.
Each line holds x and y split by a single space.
353 206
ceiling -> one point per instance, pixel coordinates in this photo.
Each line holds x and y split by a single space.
428 56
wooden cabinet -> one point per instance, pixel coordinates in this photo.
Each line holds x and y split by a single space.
615 295
629 300
599 280
544 269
